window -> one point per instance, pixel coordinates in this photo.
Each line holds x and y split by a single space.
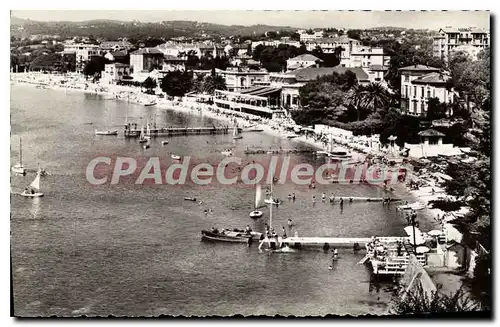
422 94
406 78
428 93
414 91
422 107
434 93
415 106
405 94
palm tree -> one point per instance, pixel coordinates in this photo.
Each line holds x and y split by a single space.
375 97
356 98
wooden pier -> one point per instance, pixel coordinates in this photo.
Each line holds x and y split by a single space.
330 242
277 151
348 199
180 131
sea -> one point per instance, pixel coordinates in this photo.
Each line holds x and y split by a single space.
136 250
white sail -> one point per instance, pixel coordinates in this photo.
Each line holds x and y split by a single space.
142 132
258 196
36 183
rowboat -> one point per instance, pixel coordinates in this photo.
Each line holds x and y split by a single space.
106 132
230 236
175 157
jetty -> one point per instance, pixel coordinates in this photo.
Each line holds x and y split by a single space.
276 151
330 242
363 199
179 131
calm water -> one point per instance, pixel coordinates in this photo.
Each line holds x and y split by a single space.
136 250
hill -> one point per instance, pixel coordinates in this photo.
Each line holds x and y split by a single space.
113 29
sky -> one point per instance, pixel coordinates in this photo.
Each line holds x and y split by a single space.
433 20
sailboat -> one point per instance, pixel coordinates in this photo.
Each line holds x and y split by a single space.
258 198
236 134
148 132
142 139
19 167
33 191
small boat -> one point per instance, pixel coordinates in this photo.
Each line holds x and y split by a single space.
190 199
145 146
339 154
164 142
258 198
106 132
254 129
150 104
412 206
235 236
227 153
291 136
273 201
175 157
19 167
33 191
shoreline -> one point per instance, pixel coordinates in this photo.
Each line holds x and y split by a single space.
269 126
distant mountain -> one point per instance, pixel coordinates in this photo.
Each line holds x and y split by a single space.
113 29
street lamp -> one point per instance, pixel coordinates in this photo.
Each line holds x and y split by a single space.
413 222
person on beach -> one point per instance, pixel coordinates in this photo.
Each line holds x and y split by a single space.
341 202
293 197
313 199
284 232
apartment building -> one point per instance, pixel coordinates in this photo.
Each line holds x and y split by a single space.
419 83
365 57
302 61
329 45
83 53
145 60
238 80
450 38
305 37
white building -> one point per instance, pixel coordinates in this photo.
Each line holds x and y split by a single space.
305 37
275 43
302 61
83 53
419 83
145 60
431 145
114 72
238 80
449 38
365 57
329 45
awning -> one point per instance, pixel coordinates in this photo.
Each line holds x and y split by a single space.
260 91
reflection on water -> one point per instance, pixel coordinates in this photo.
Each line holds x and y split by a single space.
35 207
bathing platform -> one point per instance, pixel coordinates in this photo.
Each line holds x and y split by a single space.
361 199
180 131
331 242
276 151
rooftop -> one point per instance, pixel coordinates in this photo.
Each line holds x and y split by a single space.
305 57
172 58
311 73
432 78
420 68
430 132
338 39
144 51
378 68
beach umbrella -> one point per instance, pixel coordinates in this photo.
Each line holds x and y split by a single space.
422 249
435 232
419 239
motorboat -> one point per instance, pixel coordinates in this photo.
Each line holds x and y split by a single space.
164 142
339 154
19 167
234 236
33 191
175 157
114 132
190 199
272 201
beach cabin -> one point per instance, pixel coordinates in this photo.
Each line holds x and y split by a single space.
431 145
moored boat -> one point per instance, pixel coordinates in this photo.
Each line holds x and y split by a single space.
258 198
175 157
114 132
235 236
19 167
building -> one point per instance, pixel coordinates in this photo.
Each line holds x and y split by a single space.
275 43
114 72
365 57
117 56
212 50
173 63
330 45
260 100
376 73
431 145
145 60
83 53
291 82
419 83
237 80
305 37
116 46
302 61
240 49
449 38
